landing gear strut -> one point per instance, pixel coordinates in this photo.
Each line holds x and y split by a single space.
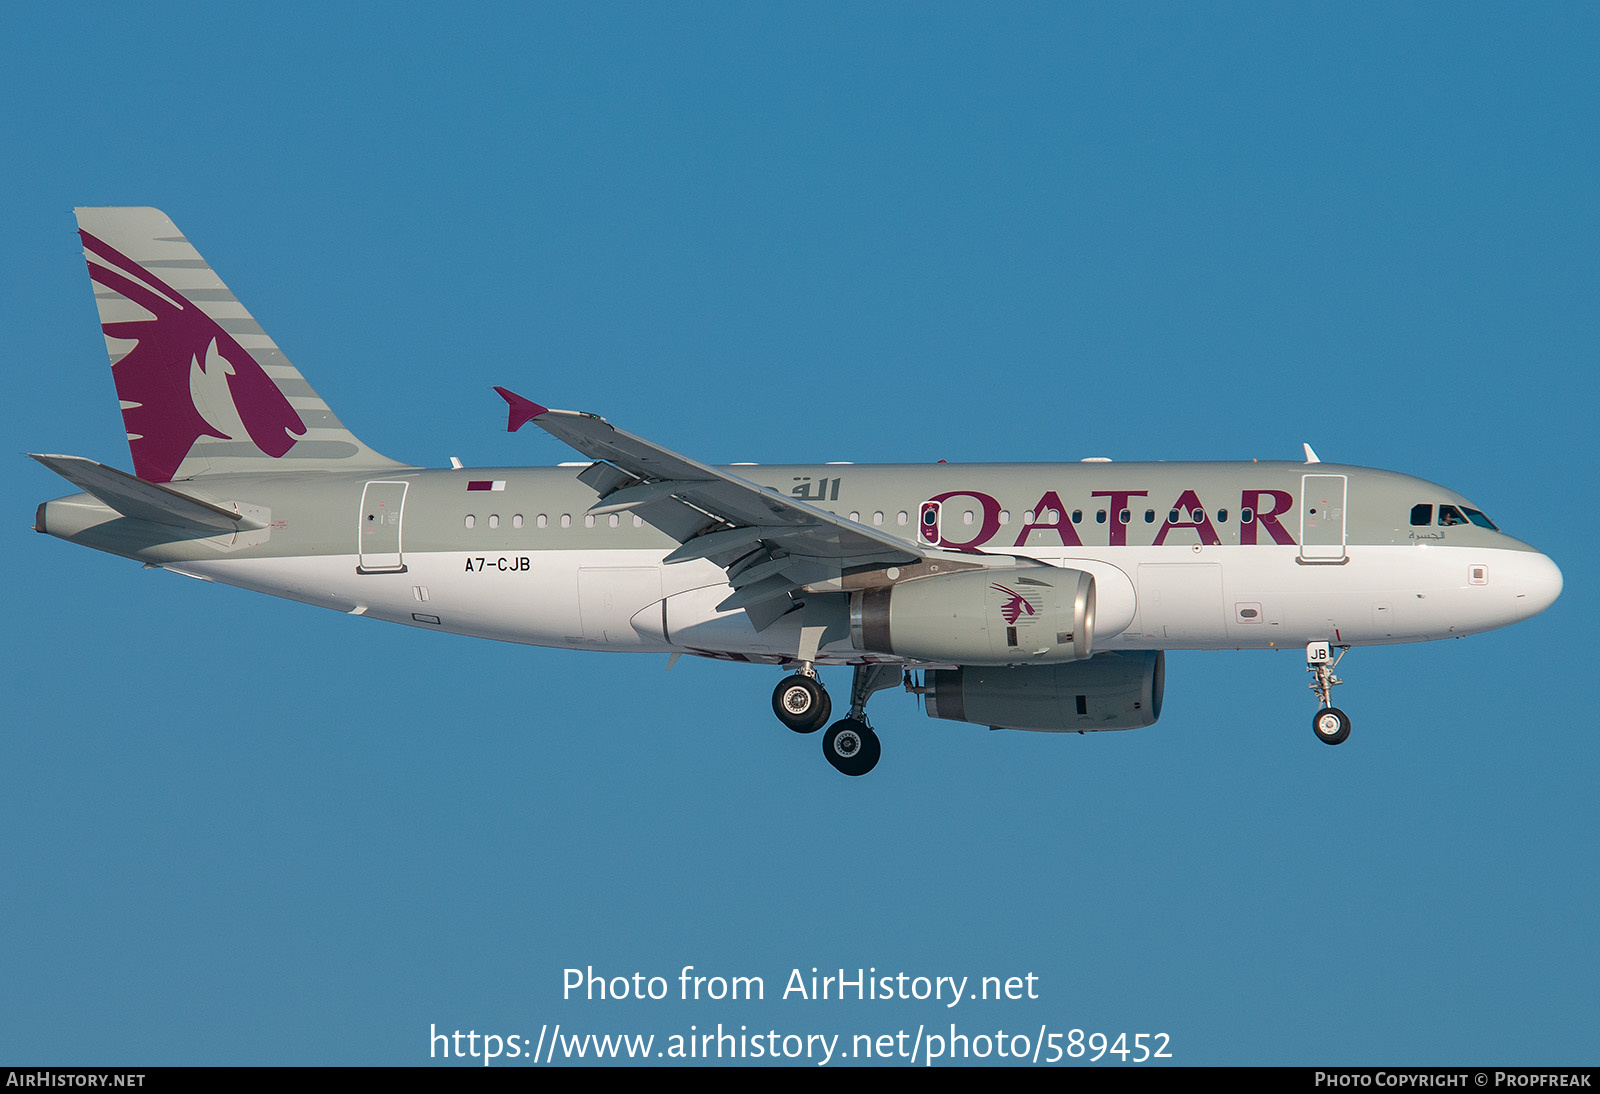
1330 724
850 745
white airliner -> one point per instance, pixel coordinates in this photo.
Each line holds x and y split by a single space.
1021 596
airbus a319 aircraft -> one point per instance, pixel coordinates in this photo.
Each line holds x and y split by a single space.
1021 596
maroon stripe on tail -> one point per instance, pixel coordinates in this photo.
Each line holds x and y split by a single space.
155 373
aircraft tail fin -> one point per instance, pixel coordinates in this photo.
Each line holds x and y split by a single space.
204 390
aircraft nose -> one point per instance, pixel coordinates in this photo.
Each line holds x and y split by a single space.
1538 585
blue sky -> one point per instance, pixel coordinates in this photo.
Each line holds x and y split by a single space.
239 830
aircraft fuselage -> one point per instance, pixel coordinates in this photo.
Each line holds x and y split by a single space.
1184 555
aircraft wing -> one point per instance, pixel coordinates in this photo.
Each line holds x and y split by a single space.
772 546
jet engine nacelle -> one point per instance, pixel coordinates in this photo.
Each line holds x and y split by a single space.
1041 615
1111 691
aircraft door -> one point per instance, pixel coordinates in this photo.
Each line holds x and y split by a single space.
378 533
1322 518
928 524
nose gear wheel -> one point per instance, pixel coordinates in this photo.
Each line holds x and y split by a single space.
1330 724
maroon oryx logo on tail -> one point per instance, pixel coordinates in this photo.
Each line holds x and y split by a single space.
173 350
1014 608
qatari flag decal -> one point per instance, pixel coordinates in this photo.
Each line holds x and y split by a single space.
486 484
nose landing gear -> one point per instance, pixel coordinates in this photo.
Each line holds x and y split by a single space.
1330 724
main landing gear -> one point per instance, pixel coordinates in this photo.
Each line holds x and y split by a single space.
800 702
850 745
1330 724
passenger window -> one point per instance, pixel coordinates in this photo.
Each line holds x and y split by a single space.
1100 516
1222 516
1077 516
541 520
1172 516
516 520
1247 515
1149 516
494 520
471 521
1123 517
1421 516
566 520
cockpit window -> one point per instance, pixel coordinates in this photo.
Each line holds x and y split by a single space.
1450 516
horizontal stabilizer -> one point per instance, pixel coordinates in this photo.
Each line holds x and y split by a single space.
145 500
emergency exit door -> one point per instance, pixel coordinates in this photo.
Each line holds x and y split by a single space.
1322 518
378 545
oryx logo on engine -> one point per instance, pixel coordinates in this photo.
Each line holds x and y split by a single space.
1014 608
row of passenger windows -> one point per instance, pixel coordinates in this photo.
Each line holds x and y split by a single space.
1048 516
1053 516
1449 516
1422 516
543 521
1174 516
